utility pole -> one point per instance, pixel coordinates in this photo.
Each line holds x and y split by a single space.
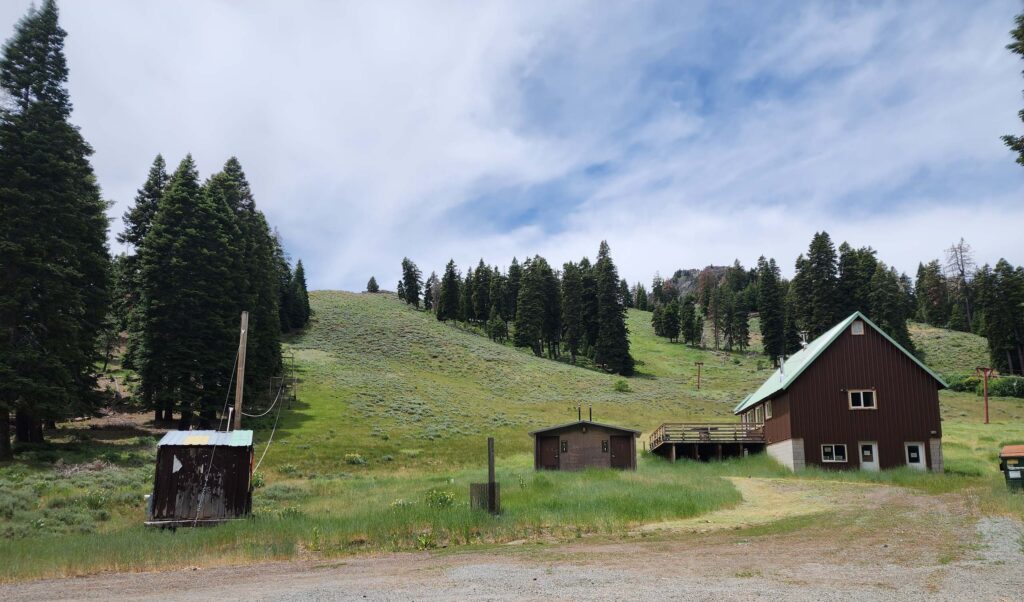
698 364
985 372
240 377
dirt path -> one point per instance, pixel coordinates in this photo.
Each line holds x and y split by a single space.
850 542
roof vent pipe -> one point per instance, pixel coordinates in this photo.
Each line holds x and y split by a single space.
579 412
591 413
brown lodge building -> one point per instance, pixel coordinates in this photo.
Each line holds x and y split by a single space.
852 398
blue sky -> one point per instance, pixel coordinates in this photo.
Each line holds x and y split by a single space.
684 133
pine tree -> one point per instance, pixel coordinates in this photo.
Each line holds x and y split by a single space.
627 298
448 298
138 220
482 292
255 277
1001 300
412 282
430 292
552 290
497 329
856 269
371 286
688 321
286 291
515 275
791 323
672 324
499 296
771 309
1016 143
466 312
933 304
54 262
658 320
642 301
821 273
889 309
611 349
300 307
187 289
572 309
400 290
529 320
590 306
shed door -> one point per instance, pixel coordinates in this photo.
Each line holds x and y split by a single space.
915 455
621 452
868 455
549 453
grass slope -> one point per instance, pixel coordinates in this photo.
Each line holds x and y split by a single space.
389 429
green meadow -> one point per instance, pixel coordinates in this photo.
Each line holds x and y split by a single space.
390 427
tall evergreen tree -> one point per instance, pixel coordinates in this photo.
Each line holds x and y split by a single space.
791 323
591 323
642 302
412 282
187 289
771 309
856 269
286 291
1001 297
497 329
818 275
529 320
611 349
572 309
499 296
400 290
300 305
689 321
672 324
889 311
372 286
1016 143
430 292
448 299
932 294
482 292
137 221
255 276
54 262
627 298
515 275
466 312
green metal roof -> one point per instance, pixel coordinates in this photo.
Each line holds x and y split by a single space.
794 366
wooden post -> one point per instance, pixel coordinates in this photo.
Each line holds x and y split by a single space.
698 364
240 377
985 372
672 452
492 486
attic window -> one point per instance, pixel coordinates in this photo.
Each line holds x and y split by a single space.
857 328
862 400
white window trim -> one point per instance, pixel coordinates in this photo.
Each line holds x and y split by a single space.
759 414
767 409
874 396
857 324
846 455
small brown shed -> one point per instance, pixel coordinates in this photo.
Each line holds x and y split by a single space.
584 444
201 477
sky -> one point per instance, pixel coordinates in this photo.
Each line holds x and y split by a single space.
683 133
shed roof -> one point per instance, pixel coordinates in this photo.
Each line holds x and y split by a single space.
1012 451
218 438
795 365
581 422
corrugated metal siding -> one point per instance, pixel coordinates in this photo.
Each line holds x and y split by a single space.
218 438
777 428
907 400
225 493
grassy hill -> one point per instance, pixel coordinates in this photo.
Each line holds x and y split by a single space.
389 429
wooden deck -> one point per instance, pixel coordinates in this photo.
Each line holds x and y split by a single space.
706 440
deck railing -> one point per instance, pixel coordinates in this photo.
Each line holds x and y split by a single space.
725 432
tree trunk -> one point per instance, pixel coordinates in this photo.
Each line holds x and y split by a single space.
5 434
27 428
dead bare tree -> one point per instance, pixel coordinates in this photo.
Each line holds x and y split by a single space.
960 268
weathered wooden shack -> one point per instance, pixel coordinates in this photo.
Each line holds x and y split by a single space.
202 477
584 444
852 398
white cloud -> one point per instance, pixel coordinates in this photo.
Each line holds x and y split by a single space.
369 130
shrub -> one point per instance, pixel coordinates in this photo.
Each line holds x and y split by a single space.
12 500
387 458
1006 386
258 480
288 470
356 459
439 499
621 386
964 383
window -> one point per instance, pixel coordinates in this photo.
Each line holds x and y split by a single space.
862 399
565 446
768 409
857 328
759 414
604 446
833 452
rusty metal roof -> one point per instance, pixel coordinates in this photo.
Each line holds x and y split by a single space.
590 422
218 438
1012 451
